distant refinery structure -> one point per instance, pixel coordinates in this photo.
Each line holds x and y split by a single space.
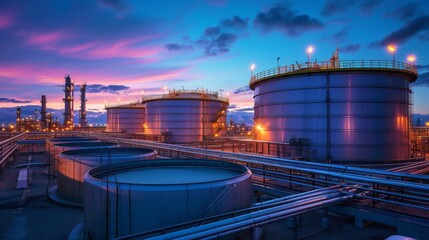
68 102
177 117
43 113
82 113
346 111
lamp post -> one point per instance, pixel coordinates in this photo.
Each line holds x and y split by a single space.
310 50
392 49
278 69
220 90
163 90
251 69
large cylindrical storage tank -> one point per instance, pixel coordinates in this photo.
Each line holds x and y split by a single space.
50 142
186 115
75 163
126 198
61 147
53 154
126 118
350 111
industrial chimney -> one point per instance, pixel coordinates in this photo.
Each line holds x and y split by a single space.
43 122
68 103
18 119
82 117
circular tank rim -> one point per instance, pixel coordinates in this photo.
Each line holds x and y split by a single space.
73 140
252 83
166 98
93 175
94 154
85 144
127 106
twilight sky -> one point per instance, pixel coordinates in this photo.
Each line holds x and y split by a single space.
121 48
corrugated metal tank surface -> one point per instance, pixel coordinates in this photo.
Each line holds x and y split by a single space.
185 117
348 116
74 164
51 149
50 142
61 147
134 197
126 119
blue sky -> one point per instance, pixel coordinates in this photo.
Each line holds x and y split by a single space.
121 48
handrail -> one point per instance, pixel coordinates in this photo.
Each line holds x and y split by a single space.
333 65
177 94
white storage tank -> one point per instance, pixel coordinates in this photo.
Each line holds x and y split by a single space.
351 112
75 163
186 115
132 197
126 118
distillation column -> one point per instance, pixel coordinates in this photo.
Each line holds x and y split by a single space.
68 103
43 122
82 117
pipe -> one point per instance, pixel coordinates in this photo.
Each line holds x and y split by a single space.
251 219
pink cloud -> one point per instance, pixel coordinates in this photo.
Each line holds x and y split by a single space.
6 20
69 45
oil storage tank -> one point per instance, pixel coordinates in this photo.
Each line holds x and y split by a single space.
50 142
75 163
61 147
131 197
350 111
186 115
128 118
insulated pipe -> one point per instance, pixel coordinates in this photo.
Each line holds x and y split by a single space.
237 223
291 198
278 160
305 194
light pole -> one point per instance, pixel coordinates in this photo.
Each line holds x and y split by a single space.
163 90
251 69
278 69
392 49
220 90
182 87
310 50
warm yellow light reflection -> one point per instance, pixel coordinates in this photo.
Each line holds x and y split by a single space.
391 48
411 58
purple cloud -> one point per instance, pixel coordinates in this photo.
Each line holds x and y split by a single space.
411 29
350 48
423 80
98 88
215 40
335 6
405 12
13 100
284 19
245 89
172 47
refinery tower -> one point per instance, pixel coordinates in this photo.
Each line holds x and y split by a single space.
68 102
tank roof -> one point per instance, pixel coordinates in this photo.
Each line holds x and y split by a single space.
173 175
336 66
128 105
84 144
116 152
173 172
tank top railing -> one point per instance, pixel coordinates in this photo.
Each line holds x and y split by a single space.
334 65
193 94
